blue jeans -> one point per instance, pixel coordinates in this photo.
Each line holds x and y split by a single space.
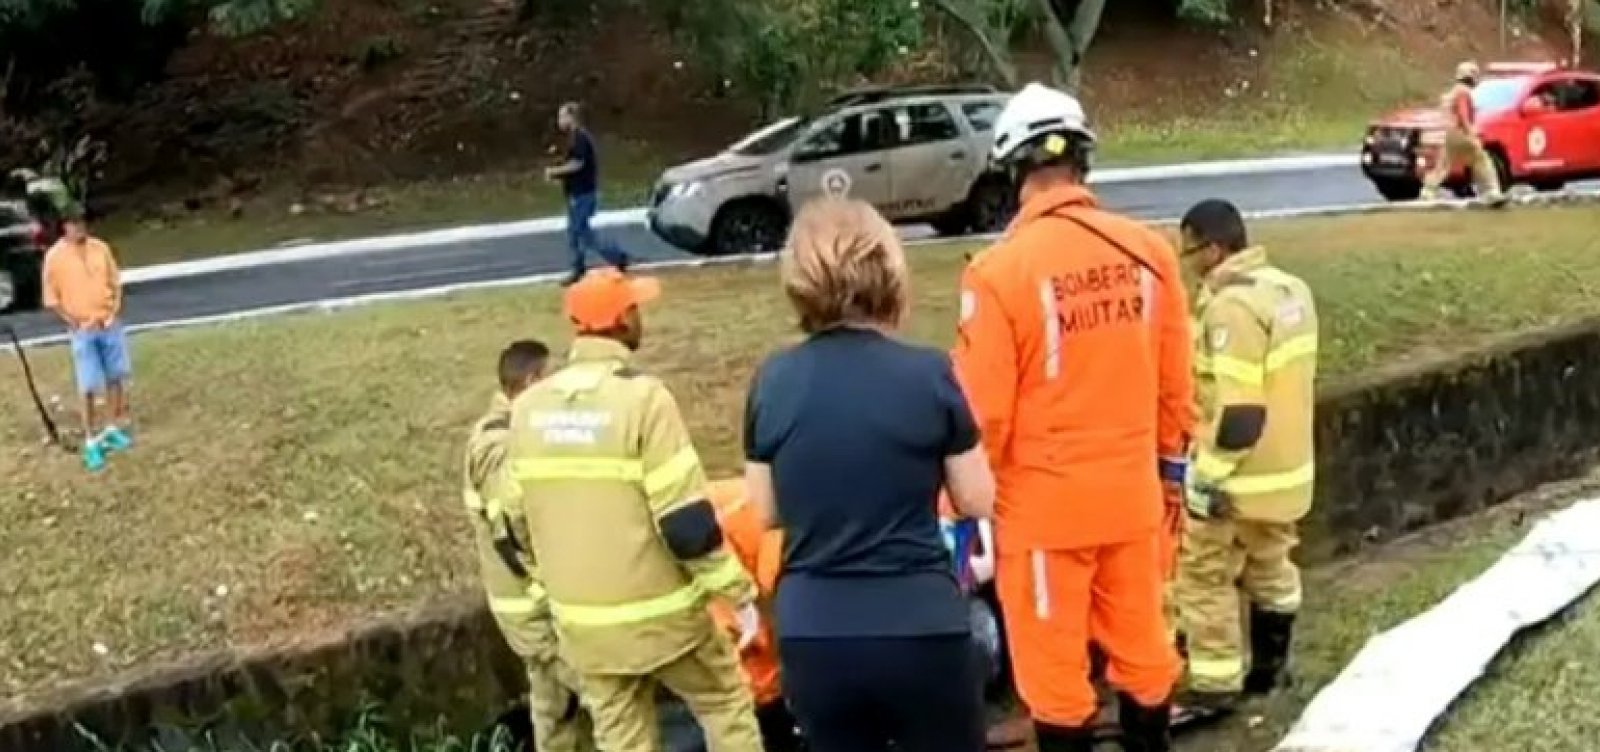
581 236
100 358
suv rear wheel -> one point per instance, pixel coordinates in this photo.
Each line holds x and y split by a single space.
20 288
747 226
991 204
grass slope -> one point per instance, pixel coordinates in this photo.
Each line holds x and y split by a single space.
297 473
1536 696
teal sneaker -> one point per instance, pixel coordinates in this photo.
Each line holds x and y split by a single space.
116 440
94 457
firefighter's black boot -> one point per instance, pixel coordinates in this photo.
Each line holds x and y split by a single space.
1145 728
1270 635
1051 738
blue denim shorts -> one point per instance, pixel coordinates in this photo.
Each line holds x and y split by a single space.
100 358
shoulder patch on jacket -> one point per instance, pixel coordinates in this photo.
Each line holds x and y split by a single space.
1291 312
1217 338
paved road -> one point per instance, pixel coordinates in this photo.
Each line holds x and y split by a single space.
385 271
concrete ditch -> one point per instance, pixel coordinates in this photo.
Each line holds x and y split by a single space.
1396 451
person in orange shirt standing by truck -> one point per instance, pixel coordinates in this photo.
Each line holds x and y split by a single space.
1074 350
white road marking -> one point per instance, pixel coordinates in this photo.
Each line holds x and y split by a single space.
432 273
636 216
334 304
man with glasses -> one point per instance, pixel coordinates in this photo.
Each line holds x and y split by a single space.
1250 475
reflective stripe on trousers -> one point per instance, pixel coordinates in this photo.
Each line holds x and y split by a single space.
512 606
1220 670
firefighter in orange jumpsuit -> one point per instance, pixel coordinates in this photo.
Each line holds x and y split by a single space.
1074 351
758 549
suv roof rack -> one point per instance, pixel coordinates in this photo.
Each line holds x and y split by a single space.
872 94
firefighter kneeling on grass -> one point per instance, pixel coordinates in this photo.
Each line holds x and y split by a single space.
559 724
1250 480
603 484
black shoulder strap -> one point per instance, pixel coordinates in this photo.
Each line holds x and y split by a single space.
1063 212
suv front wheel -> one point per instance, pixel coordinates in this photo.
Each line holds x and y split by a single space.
1398 190
747 226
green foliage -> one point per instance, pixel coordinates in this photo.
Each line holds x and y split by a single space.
787 51
28 13
229 16
371 732
233 17
1205 11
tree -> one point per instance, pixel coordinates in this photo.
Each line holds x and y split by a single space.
786 51
1069 26
230 16
990 24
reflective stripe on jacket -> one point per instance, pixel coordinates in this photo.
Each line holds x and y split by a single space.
1074 350
597 455
1257 345
523 618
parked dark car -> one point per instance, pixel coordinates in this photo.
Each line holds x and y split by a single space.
22 246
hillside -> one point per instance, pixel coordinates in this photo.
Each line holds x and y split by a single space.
371 95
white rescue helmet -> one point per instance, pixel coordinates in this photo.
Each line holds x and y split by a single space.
1032 113
1467 71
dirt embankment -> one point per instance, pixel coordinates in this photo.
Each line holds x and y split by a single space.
376 92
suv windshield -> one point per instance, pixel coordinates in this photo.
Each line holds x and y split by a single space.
769 139
1497 94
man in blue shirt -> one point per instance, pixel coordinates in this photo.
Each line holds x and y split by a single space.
580 180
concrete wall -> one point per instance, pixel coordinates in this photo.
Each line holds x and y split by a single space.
445 662
1396 451
1399 450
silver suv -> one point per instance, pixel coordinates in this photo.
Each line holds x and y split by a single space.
919 154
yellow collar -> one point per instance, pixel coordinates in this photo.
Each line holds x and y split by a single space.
599 349
1243 262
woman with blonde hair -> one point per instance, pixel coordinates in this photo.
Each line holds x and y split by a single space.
850 436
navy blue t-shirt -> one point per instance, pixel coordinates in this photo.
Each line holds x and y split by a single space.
586 179
856 427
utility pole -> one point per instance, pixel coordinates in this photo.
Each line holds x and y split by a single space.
1576 19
